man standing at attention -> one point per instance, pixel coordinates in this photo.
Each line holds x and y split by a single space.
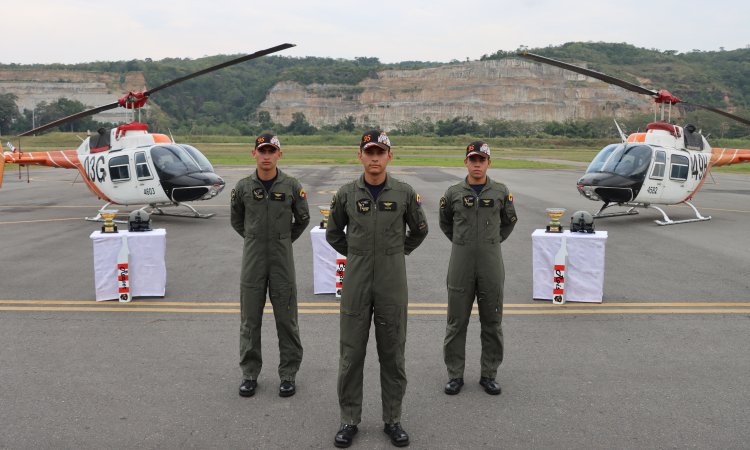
376 209
476 215
269 210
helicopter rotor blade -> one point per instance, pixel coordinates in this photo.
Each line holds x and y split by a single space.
219 66
591 73
79 115
718 111
147 94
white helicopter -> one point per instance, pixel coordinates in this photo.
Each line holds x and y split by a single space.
128 166
666 165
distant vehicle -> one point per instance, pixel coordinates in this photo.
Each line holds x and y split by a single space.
128 166
666 165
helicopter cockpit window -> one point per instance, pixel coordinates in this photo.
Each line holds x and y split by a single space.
630 161
141 167
172 161
199 158
679 168
118 168
660 162
598 162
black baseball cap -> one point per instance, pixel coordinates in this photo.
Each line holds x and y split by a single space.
267 139
375 137
478 148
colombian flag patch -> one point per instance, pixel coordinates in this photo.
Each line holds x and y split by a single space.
510 198
302 194
419 200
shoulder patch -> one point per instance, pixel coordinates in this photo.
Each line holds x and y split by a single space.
510 197
443 203
333 201
234 194
302 194
419 200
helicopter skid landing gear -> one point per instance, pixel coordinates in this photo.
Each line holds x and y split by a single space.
99 217
629 212
160 212
668 221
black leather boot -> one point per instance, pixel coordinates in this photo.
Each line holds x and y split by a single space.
490 385
345 436
454 386
247 388
287 389
399 438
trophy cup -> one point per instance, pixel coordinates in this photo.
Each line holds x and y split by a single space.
326 210
109 224
555 226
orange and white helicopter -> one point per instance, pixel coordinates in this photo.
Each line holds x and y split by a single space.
666 165
128 166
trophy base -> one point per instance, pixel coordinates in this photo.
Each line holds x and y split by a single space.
322 224
554 229
108 229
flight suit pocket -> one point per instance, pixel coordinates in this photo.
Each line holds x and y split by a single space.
388 326
281 297
490 303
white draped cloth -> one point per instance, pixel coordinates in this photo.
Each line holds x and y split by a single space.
324 263
148 271
585 280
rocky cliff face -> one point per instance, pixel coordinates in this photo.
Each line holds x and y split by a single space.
90 88
509 89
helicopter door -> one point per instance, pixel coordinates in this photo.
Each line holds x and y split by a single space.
675 179
123 183
147 186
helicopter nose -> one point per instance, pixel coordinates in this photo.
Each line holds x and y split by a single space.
194 186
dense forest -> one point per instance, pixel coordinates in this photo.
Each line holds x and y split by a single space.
227 101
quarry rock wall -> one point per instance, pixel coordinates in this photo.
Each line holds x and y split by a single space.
506 89
90 88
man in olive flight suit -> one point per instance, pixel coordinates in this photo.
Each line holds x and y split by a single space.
376 209
476 215
263 205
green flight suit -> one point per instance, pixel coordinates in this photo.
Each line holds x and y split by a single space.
264 219
374 243
476 227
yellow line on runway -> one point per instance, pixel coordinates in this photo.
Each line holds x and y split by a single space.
43 220
411 305
411 311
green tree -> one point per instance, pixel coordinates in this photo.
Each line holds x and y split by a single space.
8 112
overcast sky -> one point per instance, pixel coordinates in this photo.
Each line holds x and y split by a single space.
71 31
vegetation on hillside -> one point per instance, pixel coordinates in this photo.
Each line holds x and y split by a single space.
227 102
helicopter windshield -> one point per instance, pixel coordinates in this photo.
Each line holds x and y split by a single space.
172 161
630 161
199 158
598 162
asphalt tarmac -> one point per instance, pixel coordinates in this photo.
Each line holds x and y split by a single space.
663 362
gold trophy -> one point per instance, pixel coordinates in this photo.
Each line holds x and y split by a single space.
555 226
326 210
109 224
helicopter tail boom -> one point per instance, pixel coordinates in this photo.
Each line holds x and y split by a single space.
729 156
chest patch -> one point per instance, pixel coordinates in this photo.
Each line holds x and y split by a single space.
278 196
387 206
259 194
486 202
470 201
364 205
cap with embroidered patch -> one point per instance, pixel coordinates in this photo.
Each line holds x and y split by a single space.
375 137
267 139
478 148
